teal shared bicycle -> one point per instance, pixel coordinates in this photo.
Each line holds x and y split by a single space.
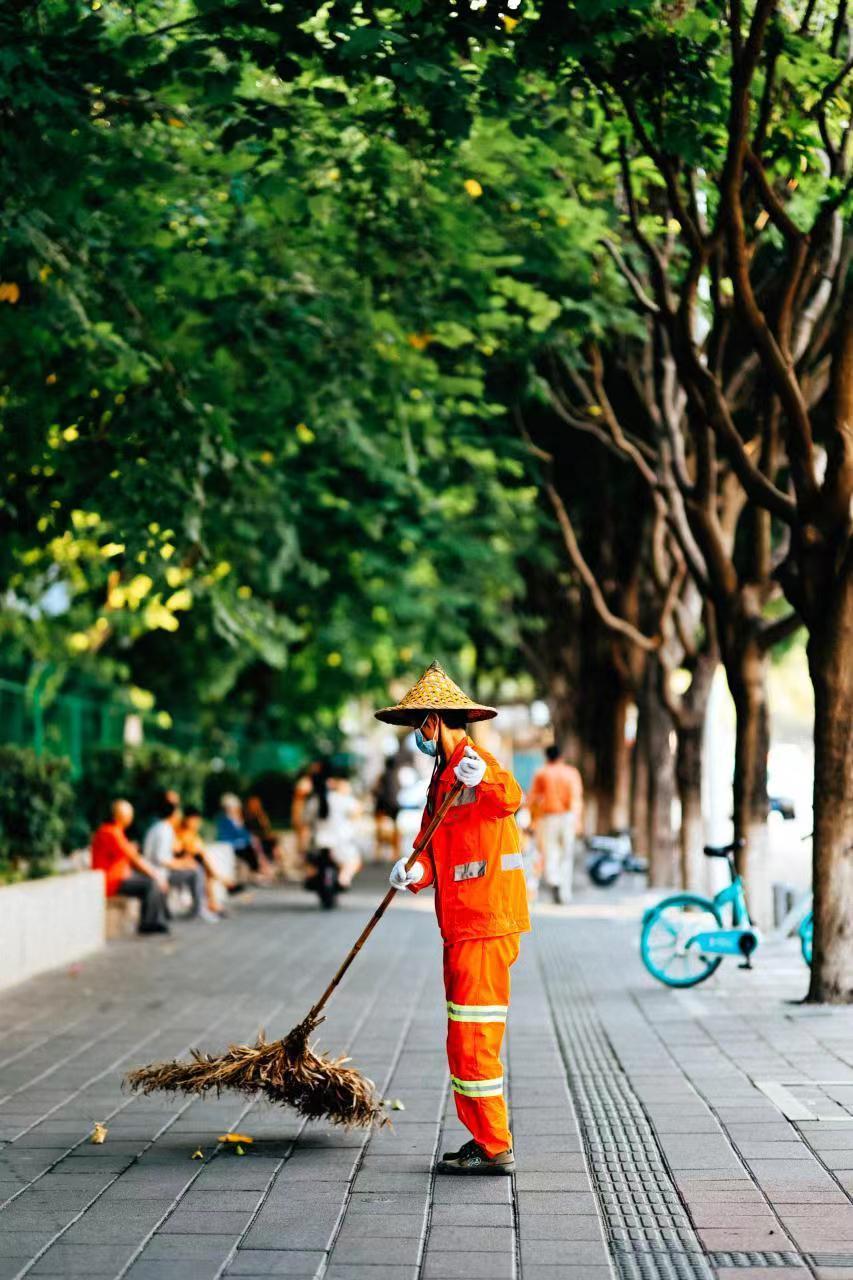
685 938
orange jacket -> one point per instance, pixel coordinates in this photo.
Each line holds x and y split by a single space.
474 859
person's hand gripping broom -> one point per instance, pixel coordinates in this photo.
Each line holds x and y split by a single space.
287 1070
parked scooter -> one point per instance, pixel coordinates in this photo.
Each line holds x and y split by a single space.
608 856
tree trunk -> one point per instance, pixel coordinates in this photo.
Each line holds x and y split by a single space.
661 780
640 786
746 671
830 653
607 773
688 773
689 761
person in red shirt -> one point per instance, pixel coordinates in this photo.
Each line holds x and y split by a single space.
474 861
126 872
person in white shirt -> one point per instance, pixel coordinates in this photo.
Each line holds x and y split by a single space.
159 849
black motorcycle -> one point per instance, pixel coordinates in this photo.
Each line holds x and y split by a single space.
324 879
608 856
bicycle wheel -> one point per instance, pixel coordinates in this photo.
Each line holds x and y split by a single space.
806 932
667 929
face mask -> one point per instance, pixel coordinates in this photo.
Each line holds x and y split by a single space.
428 747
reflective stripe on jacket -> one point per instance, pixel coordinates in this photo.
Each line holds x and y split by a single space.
475 860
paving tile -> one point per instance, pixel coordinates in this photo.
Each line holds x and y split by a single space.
468 1266
271 1262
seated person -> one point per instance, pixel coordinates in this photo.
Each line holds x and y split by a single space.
160 848
231 829
189 848
126 872
259 825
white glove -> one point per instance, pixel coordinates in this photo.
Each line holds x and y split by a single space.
400 878
471 768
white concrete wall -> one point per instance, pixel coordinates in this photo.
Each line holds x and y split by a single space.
45 924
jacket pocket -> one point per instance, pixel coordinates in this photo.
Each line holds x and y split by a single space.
469 870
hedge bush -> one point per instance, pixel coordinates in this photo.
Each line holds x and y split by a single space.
36 806
140 775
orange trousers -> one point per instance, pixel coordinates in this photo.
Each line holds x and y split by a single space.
476 982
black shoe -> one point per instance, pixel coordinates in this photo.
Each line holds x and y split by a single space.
464 1150
472 1159
156 928
234 889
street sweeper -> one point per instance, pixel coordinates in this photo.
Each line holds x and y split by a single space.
474 861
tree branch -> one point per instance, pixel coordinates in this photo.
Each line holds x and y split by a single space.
585 573
773 633
633 280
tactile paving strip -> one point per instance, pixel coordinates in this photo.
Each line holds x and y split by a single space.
651 1236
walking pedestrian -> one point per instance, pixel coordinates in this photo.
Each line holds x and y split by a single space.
556 808
475 863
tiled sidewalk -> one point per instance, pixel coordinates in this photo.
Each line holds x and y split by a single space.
652 1127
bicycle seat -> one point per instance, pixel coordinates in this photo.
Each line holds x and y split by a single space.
723 850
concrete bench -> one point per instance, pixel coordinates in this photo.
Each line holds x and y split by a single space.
122 917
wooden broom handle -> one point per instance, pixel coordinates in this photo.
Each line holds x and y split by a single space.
419 847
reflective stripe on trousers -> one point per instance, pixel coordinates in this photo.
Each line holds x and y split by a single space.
476 981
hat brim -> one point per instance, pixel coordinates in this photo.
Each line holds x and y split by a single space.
413 716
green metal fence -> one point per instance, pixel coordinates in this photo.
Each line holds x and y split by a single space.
76 724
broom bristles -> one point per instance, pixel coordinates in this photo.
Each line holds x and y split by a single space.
285 1071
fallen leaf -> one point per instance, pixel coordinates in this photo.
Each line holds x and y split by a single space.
239 1150
99 1133
236 1137
198 1154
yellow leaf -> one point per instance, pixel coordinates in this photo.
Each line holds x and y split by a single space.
305 434
167 550
509 23
245 593
420 341
334 660
71 434
182 599
176 123
236 1137
594 410
10 292
473 188
198 1154
50 379
112 548
158 617
78 642
99 1133
139 586
142 699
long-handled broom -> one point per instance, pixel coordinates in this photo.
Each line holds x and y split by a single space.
287 1070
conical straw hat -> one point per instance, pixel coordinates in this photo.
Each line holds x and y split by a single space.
435 691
